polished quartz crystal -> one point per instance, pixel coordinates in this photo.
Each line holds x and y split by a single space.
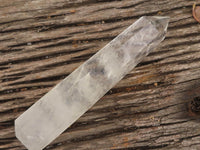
72 97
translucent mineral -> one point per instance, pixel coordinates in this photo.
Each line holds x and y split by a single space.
72 97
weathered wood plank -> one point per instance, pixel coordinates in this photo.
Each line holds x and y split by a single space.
41 42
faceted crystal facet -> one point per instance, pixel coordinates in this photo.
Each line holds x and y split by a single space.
71 98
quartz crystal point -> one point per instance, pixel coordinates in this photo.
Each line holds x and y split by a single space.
72 97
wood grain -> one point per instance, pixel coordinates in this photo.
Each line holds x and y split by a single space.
41 42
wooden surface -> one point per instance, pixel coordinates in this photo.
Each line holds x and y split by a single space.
41 42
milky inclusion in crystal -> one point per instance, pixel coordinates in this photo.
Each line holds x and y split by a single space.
72 97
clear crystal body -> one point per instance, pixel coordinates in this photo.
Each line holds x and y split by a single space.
72 97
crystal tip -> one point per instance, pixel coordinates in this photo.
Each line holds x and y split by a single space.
161 21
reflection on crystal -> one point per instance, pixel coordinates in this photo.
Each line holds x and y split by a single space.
72 97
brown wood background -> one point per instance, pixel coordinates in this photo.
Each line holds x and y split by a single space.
42 41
